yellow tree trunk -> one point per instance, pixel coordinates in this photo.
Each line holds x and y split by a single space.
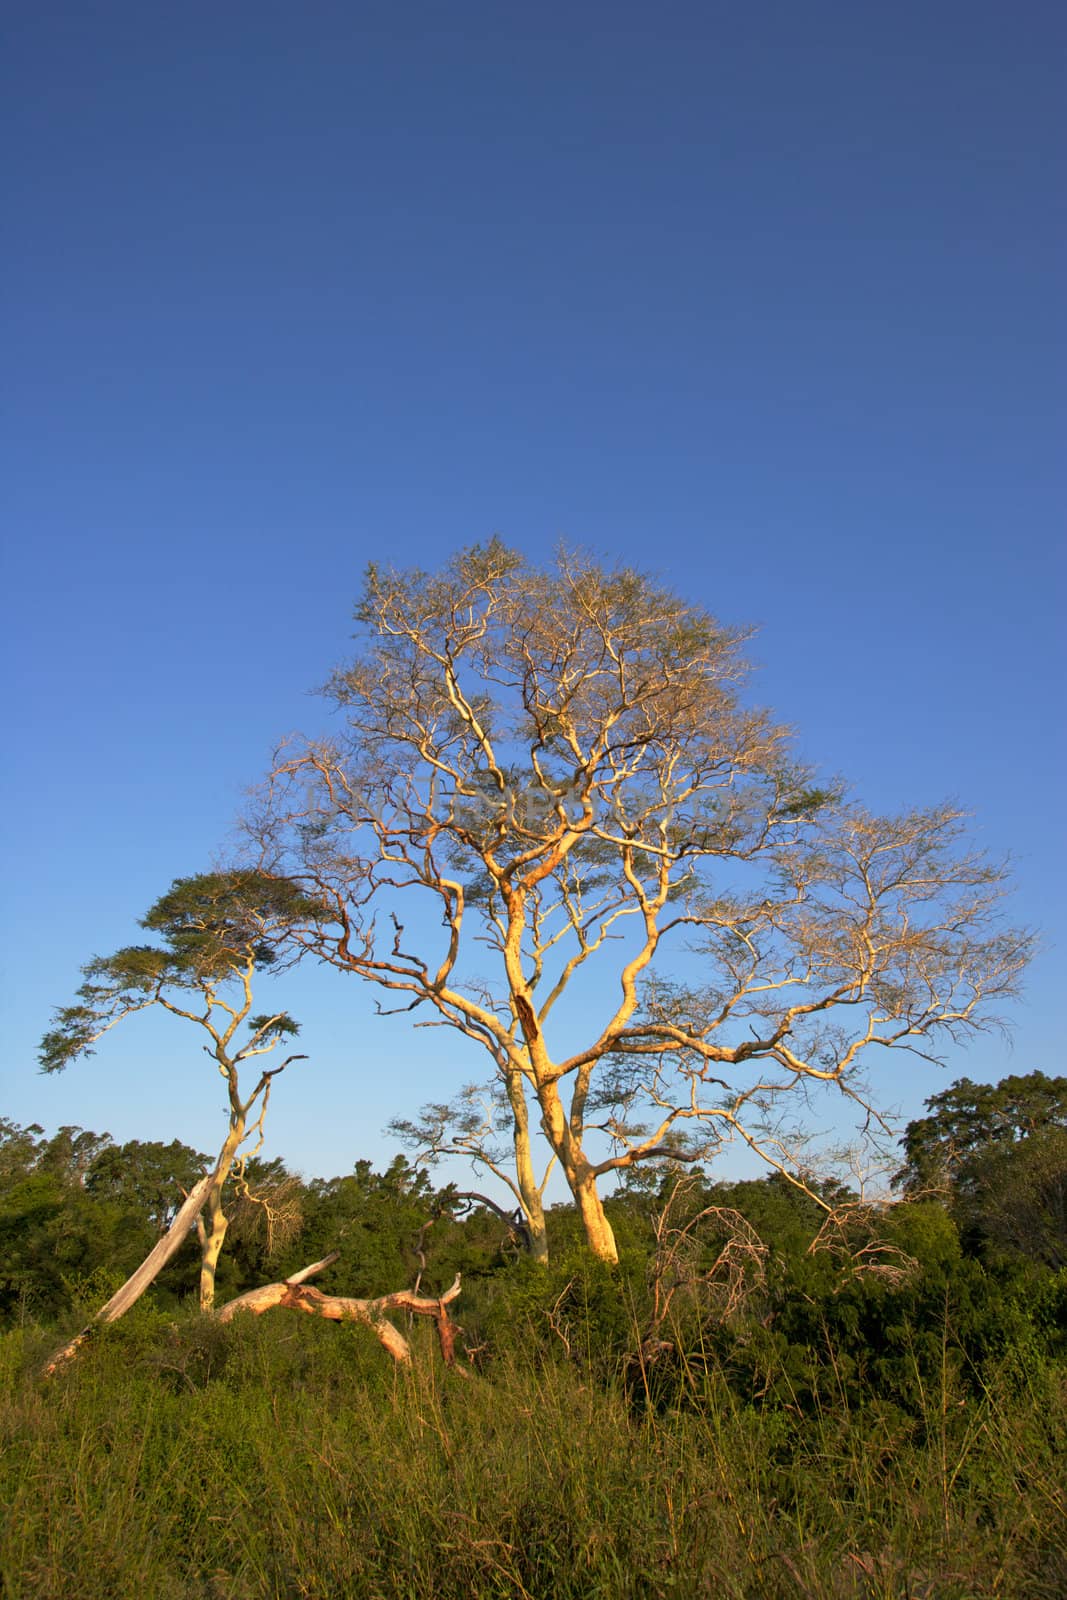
214 1237
532 1203
215 1221
598 1230
581 1178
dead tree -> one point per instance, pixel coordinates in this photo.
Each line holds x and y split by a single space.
135 1286
295 1295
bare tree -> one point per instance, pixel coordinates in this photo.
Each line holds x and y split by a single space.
711 1262
218 929
551 822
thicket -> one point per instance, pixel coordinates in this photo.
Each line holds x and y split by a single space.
762 1398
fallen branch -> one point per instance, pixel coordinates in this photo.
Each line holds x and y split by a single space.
295 1295
138 1282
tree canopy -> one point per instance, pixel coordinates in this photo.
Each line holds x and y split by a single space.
559 765
998 1154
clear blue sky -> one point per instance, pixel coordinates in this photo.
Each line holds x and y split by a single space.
766 297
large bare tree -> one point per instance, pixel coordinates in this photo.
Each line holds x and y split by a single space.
551 822
218 930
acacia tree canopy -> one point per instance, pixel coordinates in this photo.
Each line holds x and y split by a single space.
558 763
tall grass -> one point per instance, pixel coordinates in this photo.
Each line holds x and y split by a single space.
284 1457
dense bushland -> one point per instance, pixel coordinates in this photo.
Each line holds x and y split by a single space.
279 1458
762 1398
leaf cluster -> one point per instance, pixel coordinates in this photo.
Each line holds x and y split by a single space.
215 928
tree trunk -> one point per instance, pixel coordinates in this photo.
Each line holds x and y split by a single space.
293 1293
213 1227
581 1179
135 1286
214 1237
598 1230
539 1238
532 1202
297 1296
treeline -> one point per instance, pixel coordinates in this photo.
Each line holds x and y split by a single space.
772 1285
79 1212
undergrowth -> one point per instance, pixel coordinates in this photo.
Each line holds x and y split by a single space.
286 1457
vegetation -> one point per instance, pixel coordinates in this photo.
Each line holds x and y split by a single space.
775 1387
218 929
767 1395
248 1462
999 1152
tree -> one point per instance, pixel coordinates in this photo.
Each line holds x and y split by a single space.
967 1119
152 1177
217 930
373 1221
999 1153
559 766
51 1235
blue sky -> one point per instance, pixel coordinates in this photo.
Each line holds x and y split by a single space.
765 298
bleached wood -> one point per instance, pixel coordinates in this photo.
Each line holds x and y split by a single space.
294 1295
138 1282
316 1266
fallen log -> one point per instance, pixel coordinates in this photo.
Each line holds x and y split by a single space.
138 1282
295 1295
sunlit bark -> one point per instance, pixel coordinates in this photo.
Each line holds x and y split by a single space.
135 1285
295 1295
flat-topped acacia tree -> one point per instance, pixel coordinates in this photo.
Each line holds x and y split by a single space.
559 765
217 930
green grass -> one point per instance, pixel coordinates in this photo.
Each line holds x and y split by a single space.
285 1457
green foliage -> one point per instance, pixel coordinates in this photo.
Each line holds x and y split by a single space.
74 1207
279 1457
808 800
216 927
999 1153
52 1236
836 1431
577 1310
374 1220
151 1179
870 1309
266 1026
210 919
968 1119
